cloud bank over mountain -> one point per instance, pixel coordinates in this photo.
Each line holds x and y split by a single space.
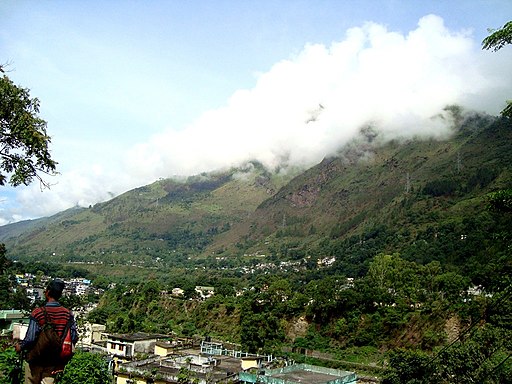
306 107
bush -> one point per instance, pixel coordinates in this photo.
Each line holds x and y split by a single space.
10 367
86 368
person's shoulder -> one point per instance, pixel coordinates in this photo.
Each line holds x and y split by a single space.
36 311
58 308
38 315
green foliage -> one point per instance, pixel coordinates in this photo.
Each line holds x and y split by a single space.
481 358
501 201
186 376
409 367
24 152
507 111
440 187
86 368
9 296
498 38
495 41
10 367
260 328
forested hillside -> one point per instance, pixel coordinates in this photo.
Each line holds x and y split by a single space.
415 196
393 253
169 220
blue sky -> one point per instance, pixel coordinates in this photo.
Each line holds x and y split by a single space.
137 90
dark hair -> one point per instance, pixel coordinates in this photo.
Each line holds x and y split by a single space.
55 288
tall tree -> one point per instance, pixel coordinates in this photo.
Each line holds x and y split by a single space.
24 143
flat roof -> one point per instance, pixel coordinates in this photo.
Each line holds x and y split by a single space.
137 336
13 314
300 376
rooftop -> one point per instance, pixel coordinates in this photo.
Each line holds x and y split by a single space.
300 374
138 336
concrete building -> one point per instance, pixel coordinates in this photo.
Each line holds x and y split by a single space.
93 333
125 346
203 369
250 362
204 292
12 320
164 348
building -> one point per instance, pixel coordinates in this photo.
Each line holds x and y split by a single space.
299 374
204 292
12 320
125 346
92 334
250 362
209 347
164 348
201 369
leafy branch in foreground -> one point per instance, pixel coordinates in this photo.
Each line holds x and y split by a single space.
24 152
498 38
495 41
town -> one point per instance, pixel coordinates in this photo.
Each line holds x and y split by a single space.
142 357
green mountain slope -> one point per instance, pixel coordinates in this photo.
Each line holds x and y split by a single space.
168 220
394 193
373 196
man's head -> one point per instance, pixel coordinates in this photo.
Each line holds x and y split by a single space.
54 289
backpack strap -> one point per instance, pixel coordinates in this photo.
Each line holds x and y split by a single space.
68 326
46 321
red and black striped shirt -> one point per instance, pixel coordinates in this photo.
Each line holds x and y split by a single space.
57 315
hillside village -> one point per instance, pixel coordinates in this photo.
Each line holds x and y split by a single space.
163 358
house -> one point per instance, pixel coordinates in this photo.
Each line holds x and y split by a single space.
156 369
128 378
164 348
93 333
125 346
300 373
204 292
252 362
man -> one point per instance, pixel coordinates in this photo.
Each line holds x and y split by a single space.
39 372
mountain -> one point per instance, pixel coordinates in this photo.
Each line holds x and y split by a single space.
167 219
413 196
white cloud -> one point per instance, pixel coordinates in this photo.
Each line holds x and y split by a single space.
306 107
399 81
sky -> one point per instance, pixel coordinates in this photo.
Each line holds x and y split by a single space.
135 91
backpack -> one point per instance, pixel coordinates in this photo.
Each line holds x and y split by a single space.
67 349
48 348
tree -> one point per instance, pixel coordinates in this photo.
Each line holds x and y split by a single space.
409 366
495 41
9 296
24 152
501 201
